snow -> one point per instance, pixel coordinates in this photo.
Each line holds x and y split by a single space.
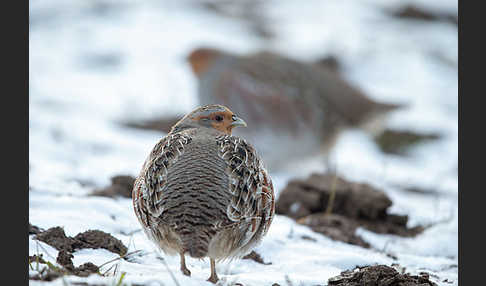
95 63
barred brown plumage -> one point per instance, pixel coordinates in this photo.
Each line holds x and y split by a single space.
204 192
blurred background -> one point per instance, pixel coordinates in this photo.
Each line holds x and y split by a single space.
99 69
94 65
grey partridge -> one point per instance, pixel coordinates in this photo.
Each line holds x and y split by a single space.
203 192
296 108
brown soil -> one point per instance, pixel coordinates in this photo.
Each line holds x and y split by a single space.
335 227
45 274
420 190
329 62
64 258
256 257
400 142
414 12
355 205
100 239
379 275
121 186
56 238
37 259
34 229
163 124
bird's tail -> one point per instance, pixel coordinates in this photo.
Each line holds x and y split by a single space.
195 242
375 121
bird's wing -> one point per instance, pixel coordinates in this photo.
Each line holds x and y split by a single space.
253 200
151 183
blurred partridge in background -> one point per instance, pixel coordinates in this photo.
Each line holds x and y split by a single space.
203 192
296 109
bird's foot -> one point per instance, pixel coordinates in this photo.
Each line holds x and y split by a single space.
185 271
213 279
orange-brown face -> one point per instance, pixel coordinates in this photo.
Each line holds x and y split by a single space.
201 58
222 120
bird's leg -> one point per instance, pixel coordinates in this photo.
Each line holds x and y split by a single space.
184 269
331 169
214 277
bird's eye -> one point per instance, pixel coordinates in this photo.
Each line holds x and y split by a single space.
218 118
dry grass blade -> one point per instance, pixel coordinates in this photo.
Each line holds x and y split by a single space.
330 203
122 276
121 257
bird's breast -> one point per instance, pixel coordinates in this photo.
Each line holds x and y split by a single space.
197 183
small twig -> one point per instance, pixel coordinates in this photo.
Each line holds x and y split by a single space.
120 257
116 269
105 273
330 203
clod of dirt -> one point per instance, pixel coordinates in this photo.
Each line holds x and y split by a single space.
65 259
45 275
36 259
329 62
34 229
335 227
354 205
400 142
422 190
306 237
354 200
100 239
163 124
121 185
56 238
414 12
86 269
256 257
379 275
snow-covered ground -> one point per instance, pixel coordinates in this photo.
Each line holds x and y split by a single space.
95 63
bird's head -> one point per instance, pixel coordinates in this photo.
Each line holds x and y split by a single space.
201 58
212 116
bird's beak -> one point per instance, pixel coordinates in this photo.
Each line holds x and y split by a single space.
238 122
